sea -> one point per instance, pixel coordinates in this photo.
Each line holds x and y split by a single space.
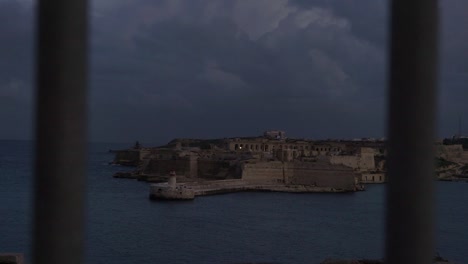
124 226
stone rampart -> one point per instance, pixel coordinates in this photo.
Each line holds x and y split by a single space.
216 169
367 161
367 150
319 174
163 167
364 162
191 167
346 160
265 171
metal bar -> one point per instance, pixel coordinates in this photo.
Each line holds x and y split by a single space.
59 200
412 108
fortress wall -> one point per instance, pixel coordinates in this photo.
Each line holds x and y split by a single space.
367 161
364 162
372 151
348 160
210 168
163 167
322 164
380 163
337 179
321 175
302 173
267 171
193 166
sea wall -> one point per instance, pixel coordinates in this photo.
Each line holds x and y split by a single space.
163 167
365 161
346 160
319 174
192 167
217 170
272 171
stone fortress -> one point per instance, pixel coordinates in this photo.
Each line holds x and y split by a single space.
272 162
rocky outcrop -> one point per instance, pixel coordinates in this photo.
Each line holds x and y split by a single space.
450 171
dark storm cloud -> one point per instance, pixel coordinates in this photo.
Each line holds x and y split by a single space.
214 76
369 20
214 68
368 17
15 49
454 66
15 70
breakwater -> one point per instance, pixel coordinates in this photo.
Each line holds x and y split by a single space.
188 191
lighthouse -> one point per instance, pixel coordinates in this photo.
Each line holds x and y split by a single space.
172 179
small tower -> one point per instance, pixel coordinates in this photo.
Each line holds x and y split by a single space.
137 145
172 182
459 127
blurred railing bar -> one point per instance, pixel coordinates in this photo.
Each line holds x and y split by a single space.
411 126
59 199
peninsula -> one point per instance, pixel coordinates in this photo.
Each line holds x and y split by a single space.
185 168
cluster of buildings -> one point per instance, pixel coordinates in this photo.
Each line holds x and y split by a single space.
271 162
271 157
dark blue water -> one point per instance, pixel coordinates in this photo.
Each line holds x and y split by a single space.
124 226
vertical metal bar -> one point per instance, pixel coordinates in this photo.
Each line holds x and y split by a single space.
60 132
413 81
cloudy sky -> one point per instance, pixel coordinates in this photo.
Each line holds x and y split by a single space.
219 68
